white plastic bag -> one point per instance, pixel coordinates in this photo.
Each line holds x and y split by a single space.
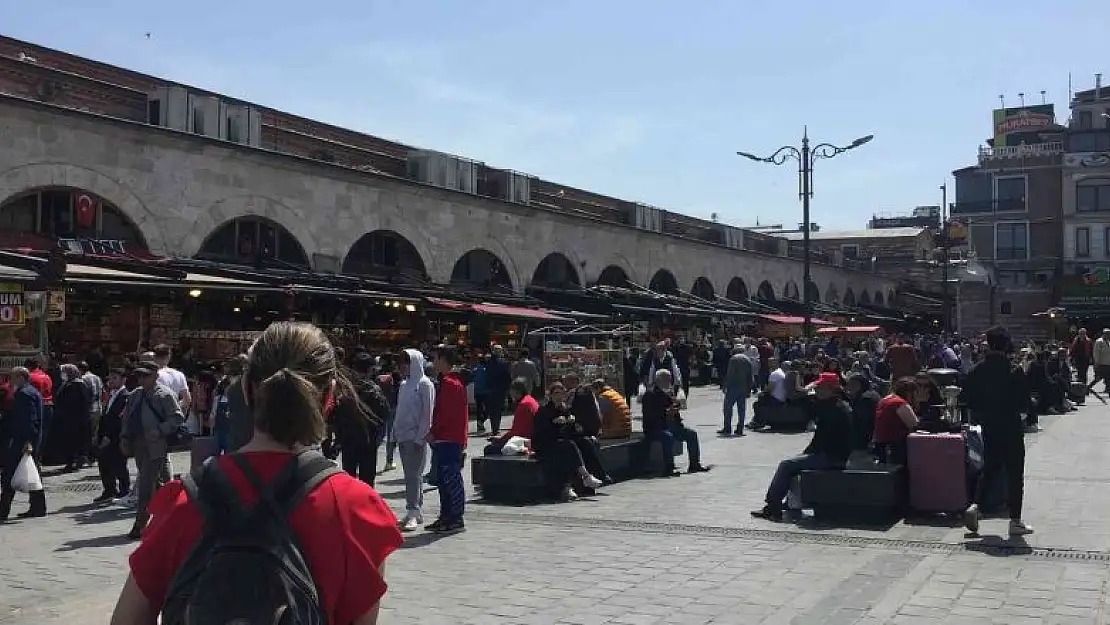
515 446
26 478
681 397
640 392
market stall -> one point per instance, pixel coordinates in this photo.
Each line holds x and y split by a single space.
591 352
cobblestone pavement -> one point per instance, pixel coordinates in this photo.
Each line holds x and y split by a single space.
669 551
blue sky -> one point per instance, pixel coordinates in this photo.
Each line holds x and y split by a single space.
645 100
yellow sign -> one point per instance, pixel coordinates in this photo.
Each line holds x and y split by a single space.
11 304
56 305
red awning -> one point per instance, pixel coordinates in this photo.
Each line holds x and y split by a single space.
787 319
449 304
519 313
849 330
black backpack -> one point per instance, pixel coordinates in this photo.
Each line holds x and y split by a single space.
248 567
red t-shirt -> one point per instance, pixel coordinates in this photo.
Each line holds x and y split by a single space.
451 416
889 427
344 527
524 419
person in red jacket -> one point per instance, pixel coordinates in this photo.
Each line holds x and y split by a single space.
524 417
448 436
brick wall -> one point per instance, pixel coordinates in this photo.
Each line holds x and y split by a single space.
60 88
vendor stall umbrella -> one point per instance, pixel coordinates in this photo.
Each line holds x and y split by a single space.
805 156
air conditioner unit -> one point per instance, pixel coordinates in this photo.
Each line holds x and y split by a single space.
443 170
649 218
169 107
734 237
519 188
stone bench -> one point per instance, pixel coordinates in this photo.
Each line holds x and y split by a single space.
518 479
876 494
781 416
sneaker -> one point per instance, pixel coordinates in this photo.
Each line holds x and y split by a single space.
105 496
591 482
568 494
699 468
1020 528
410 524
450 527
481 428
971 518
435 525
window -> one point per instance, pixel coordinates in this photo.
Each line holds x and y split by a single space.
1009 193
1083 242
1011 241
154 112
52 213
1083 120
1093 141
1106 242
198 121
232 130
1012 278
1007 308
849 252
1092 195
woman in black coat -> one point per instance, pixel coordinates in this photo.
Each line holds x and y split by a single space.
72 413
559 446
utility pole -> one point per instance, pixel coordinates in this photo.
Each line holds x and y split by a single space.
947 311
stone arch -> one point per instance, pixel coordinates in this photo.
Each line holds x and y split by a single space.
613 275
481 267
812 292
251 238
236 206
832 295
384 252
664 282
765 292
849 298
556 270
878 299
703 288
24 178
737 290
790 291
22 213
864 298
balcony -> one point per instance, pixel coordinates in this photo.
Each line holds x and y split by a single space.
988 207
1024 151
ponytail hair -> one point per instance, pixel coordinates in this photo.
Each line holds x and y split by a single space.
291 372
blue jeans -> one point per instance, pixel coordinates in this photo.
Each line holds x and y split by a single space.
780 484
222 432
673 433
448 459
736 397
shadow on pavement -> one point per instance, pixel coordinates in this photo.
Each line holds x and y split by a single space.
112 540
415 541
104 515
993 545
77 508
812 524
935 520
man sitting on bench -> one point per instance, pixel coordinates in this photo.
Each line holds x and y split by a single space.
829 449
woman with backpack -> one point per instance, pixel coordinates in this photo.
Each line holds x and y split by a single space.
208 555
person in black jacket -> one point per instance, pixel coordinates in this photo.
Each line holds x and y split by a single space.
829 449
72 409
20 433
663 423
358 421
559 446
997 393
864 402
112 463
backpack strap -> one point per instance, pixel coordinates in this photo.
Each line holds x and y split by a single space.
208 487
309 469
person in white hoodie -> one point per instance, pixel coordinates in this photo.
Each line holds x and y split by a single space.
412 421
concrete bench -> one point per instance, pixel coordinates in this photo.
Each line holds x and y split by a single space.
781 416
875 494
518 479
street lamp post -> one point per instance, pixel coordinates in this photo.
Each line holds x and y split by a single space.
946 313
805 158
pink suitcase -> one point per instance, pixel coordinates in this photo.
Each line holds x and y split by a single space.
937 472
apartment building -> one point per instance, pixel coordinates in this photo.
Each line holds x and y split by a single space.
1085 287
1011 203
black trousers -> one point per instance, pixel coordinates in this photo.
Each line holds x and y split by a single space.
7 493
685 373
361 462
78 438
495 408
560 463
112 465
1003 451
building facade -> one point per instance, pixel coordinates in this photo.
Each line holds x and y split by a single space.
187 173
1085 293
1012 205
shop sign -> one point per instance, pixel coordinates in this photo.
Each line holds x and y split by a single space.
1089 290
11 304
1022 124
56 305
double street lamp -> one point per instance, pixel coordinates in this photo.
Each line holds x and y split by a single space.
805 158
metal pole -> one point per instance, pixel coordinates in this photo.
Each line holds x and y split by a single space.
806 167
946 314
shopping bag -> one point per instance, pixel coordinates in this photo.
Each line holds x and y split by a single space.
640 392
26 478
515 446
681 397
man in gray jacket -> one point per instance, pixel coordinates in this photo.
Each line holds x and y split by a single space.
737 387
152 417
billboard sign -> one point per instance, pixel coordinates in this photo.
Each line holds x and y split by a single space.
1023 124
